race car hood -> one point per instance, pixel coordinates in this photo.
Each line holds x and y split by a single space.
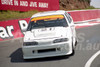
50 32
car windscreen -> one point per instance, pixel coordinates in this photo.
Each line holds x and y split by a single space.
47 21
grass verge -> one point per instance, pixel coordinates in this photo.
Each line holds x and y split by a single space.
11 15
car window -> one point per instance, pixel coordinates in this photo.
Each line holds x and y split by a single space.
47 21
69 18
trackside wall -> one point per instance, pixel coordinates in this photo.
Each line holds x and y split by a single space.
16 28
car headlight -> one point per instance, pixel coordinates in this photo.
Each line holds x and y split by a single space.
30 43
60 40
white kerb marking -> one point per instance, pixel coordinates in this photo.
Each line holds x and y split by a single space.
89 62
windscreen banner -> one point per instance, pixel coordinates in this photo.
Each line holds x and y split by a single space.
26 5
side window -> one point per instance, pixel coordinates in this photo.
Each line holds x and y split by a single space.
69 18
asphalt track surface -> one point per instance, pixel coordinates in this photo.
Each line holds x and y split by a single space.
88 45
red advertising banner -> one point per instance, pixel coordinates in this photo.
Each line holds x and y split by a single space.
26 5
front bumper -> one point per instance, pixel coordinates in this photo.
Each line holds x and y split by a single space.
40 51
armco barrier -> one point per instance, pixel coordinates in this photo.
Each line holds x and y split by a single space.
15 28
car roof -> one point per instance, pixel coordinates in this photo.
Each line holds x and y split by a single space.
47 13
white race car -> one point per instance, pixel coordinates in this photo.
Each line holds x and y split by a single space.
49 34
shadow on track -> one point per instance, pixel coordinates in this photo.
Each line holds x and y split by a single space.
17 57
